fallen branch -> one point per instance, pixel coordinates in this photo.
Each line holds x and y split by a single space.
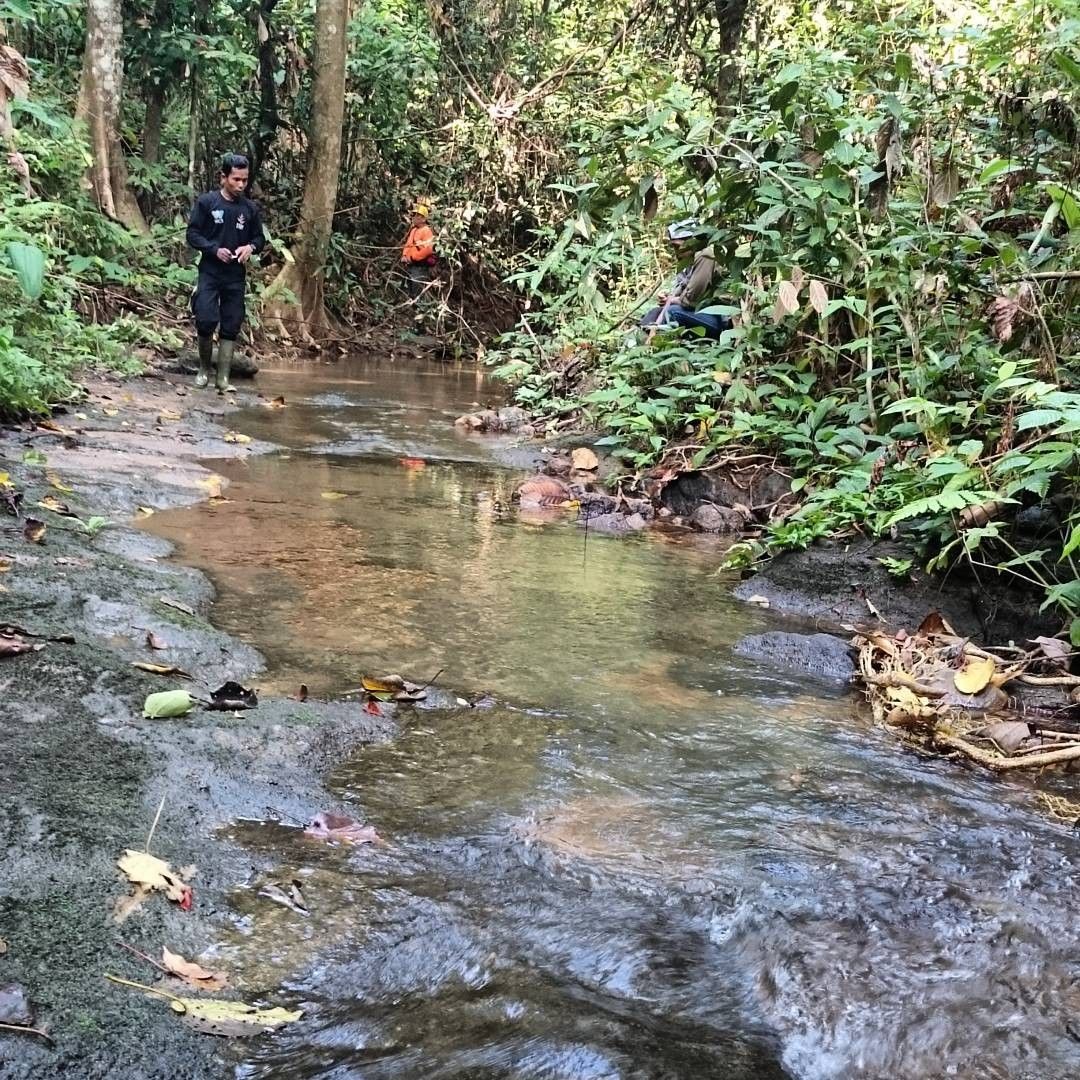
1002 764
27 1030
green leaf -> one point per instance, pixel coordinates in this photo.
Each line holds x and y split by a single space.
167 704
1074 633
1067 64
29 263
1038 418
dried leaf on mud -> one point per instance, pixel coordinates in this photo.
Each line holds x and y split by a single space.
153 641
329 826
384 684
226 1018
413 463
934 624
149 874
275 403
193 974
13 645
162 669
236 437
231 697
330 496
291 898
58 484
167 704
146 511
12 500
372 708
51 502
211 485
975 675
34 530
302 693
6 563
169 414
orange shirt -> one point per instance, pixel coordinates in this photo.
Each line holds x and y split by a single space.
419 244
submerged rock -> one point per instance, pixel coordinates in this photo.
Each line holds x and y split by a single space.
718 519
820 655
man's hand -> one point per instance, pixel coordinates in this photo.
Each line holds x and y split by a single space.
244 253
224 254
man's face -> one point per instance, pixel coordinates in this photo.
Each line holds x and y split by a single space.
418 220
235 184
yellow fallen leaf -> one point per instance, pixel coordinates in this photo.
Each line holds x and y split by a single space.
236 437
161 669
169 414
110 410
584 459
388 684
58 483
146 511
217 500
147 871
212 484
277 403
5 480
5 565
234 1018
975 674
80 416
331 495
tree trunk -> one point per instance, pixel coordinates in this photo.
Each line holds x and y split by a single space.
268 106
293 303
155 109
99 106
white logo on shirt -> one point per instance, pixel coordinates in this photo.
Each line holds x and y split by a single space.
241 221
218 216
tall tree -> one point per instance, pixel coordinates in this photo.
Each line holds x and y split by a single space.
293 303
99 107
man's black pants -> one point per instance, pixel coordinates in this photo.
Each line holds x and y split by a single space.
218 301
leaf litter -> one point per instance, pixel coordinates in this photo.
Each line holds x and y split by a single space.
938 688
150 874
337 827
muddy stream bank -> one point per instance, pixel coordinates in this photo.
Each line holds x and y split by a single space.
640 855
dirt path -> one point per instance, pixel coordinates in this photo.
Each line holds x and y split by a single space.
82 773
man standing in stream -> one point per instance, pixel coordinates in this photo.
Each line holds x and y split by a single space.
226 228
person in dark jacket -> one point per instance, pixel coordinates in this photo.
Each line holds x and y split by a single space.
692 283
225 227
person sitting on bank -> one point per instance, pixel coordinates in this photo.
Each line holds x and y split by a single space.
418 252
226 228
697 268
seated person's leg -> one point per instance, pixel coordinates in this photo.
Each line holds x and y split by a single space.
650 317
713 325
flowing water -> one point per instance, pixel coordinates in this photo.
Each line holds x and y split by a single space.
640 857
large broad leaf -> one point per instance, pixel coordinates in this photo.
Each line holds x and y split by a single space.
232 1018
28 261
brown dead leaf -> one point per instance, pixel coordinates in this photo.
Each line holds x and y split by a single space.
584 459
1053 648
819 297
110 410
176 605
542 491
787 301
302 693
975 675
193 974
1008 734
34 530
146 511
276 403
337 827
291 898
154 642
933 624
162 669
6 564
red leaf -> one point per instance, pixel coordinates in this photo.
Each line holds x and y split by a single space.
372 707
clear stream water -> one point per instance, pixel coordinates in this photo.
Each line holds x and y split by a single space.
648 858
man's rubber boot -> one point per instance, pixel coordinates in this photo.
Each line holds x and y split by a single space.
224 364
206 355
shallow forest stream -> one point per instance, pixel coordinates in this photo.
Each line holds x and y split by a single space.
640 856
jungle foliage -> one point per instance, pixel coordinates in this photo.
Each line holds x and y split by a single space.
892 195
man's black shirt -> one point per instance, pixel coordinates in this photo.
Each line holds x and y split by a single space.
217 222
